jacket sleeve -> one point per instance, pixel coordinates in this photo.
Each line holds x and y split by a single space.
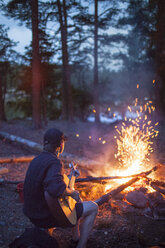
54 181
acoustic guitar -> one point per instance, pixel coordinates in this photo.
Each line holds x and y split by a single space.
63 208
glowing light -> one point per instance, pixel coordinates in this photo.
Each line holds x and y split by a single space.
137 86
77 135
90 137
100 138
134 144
153 81
103 142
94 111
109 109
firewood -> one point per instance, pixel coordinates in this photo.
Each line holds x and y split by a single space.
156 182
162 191
90 178
3 170
120 188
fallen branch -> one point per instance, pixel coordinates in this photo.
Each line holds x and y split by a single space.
23 141
16 159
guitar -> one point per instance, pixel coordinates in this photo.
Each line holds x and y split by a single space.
63 208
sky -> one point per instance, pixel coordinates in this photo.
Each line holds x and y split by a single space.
17 33
23 36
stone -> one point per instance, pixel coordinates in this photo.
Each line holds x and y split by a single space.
137 199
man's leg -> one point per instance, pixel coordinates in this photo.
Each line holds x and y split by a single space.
76 232
90 210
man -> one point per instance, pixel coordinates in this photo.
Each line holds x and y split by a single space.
45 177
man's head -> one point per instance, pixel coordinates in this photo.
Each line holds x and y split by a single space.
54 140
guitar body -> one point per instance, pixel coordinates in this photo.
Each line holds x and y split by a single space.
68 205
63 209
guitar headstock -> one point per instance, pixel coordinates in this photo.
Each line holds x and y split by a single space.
73 167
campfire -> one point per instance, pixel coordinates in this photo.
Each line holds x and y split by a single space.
135 140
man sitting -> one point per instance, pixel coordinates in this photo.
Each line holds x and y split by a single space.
44 177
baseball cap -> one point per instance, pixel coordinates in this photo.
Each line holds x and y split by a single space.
54 136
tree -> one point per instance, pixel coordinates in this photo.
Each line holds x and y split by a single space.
146 43
67 110
22 10
6 52
36 71
95 70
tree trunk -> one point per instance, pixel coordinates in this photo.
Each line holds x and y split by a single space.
2 111
95 84
36 79
160 64
67 110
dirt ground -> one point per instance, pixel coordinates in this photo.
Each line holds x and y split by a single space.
117 224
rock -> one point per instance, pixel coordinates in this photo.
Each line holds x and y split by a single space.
137 199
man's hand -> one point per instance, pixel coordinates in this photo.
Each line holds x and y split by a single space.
76 195
73 193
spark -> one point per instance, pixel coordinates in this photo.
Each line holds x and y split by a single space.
134 143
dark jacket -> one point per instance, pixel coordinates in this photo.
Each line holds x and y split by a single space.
44 173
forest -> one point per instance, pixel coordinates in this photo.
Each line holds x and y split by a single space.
95 70
84 57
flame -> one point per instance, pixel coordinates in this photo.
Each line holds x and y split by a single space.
134 143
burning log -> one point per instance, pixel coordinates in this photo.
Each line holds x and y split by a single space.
157 182
90 178
114 192
162 191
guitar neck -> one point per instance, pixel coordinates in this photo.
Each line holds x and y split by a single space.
71 181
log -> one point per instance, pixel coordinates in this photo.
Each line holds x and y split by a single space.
156 182
65 157
23 141
16 159
90 178
120 188
162 191
3 170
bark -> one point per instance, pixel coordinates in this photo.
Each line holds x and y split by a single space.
44 108
2 110
36 80
96 81
67 110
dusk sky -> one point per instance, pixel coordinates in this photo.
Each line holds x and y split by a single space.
18 33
